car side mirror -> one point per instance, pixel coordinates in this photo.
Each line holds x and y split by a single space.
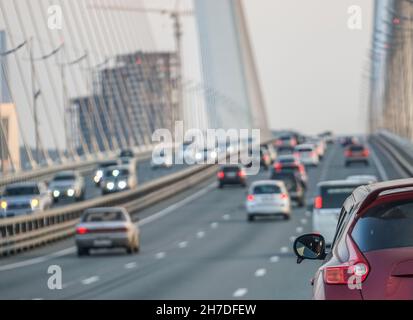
310 246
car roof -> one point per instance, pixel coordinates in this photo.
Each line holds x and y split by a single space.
305 146
266 182
332 183
105 209
23 184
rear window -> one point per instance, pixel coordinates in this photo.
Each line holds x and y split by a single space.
230 169
356 148
267 189
285 138
104 216
287 160
386 226
334 197
305 150
21 191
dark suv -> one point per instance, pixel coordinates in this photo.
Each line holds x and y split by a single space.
232 175
294 185
372 252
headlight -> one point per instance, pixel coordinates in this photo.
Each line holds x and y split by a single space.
115 173
70 192
213 154
198 156
110 186
4 205
99 174
56 193
34 203
122 184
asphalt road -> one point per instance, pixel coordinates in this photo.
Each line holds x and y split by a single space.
197 245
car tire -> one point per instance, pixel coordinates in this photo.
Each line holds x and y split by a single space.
250 218
81 252
286 217
220 186
130 249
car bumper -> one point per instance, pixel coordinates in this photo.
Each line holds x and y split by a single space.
262 209
103 242
16 213
232 181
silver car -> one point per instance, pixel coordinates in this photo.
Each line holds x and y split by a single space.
118 178
67 185
106 228
24 198
268 198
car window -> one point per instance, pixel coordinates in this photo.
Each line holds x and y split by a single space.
64 177
231 169
356 148
21 191
109 216
385 226
267 189
334 196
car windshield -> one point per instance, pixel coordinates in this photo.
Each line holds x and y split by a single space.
385 226
126 154
108 164
334 196
21 191
64 177
117 173
267 189
109 216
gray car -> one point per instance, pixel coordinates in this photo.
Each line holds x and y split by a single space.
67 185
106 228
24 198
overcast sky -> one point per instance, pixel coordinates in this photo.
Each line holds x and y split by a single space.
309 62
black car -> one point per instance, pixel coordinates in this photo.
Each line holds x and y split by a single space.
127 153
294 185
231 175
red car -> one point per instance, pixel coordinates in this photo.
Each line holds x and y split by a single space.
356 153
372 252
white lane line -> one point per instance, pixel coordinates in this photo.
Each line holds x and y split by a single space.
226 217
200 234
303 221
90 280
299 229
284 249
131 265
260 272
292 239
274 259
240 292
382 173
38 260
142 222
37 299
214 225
183 244
160 255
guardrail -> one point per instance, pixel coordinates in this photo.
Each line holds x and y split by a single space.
398 148
25 232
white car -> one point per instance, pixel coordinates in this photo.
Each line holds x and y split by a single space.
307 154
367 179
25 198
268 198
327 206
67 185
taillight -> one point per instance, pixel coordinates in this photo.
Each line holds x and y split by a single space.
278 166
318 202
297 155
81 230
284 196
241 174
250 197
301 168
355 270
348 153
266 157
313 154
278 142
221 175
366 152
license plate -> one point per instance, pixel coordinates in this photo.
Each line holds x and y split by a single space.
102 243
231 174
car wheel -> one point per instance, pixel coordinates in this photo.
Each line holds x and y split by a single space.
82 252
286 217
250 218
130 249
220 186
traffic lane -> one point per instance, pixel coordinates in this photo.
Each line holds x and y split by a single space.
224 240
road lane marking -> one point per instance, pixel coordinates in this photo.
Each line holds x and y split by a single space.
292 239
274 259
284 249
299 229
90 280
130 265
260 272
214 225
142 222
160 255
240 292
200 234
382 173
303 221
183 244
226 217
